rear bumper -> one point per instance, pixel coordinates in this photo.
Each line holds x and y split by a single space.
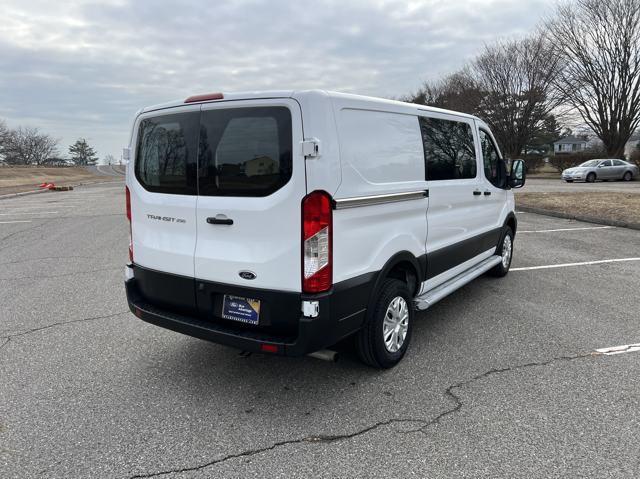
310 334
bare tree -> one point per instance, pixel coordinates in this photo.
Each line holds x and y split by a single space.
457 91
599 44
109 160
510 85
27 146
517 79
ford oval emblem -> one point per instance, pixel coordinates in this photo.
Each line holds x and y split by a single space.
247 275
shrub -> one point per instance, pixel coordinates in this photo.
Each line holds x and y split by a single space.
533 162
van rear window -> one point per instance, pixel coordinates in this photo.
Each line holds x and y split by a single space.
244 151
166 153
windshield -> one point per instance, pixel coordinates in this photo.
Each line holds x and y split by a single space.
590 163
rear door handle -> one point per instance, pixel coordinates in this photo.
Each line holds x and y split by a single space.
219 221
477 193
487 193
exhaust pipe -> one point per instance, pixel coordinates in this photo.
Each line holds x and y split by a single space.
325 355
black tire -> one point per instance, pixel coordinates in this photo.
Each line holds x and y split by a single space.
369 340
627 176
569 181
591 178
500 269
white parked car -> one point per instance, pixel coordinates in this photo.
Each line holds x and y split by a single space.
604 169
282 222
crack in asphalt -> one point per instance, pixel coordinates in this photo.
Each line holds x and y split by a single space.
253 452
23 231
9 337
449 392
458 401
41 276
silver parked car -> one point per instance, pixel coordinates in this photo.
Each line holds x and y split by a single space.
603 169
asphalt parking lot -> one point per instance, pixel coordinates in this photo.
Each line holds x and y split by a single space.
502 378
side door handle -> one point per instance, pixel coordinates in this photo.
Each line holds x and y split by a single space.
219 221
477 193
487 193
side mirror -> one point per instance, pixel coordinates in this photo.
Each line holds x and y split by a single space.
518 174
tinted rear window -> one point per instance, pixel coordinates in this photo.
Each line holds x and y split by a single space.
244 151
166 153
449 150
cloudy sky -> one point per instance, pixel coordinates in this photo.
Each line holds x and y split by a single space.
80 68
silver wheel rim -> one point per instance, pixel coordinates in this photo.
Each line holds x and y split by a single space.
506 251
396 324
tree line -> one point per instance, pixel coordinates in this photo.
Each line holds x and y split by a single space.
584 61
30 146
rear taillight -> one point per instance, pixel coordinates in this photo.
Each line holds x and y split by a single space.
317 238
128 199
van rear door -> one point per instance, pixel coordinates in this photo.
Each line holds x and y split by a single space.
162 182
251 179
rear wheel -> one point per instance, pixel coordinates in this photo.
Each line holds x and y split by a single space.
627 176
384 339
505 251
591 178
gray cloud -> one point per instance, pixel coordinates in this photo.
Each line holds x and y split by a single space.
82 68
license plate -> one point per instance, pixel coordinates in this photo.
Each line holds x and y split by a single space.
245 310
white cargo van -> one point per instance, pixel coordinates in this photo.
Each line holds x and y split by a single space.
282 222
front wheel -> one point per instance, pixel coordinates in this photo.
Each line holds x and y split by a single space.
591 178
505 251
627 176
384 339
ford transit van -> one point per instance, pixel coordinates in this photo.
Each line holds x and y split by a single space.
282 222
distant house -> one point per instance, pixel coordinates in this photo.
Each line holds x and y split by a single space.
569 144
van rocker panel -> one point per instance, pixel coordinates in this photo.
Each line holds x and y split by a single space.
342 312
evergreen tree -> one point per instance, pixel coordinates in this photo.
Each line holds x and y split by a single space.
82 154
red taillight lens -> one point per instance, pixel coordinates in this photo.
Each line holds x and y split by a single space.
317 237
128 200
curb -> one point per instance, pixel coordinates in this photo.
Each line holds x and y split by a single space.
586 219
33 192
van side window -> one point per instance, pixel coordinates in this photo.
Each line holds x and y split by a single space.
244 151
449 151
490 159
166 153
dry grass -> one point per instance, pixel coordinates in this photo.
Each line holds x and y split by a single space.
16 179
614 206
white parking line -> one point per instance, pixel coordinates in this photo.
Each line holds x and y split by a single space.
19 221
25 213
625 348
584 263
568 229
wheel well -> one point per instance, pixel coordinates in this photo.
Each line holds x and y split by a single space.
405 272
511 223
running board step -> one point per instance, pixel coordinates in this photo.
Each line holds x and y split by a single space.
430 298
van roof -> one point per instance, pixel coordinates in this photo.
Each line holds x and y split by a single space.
364 101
